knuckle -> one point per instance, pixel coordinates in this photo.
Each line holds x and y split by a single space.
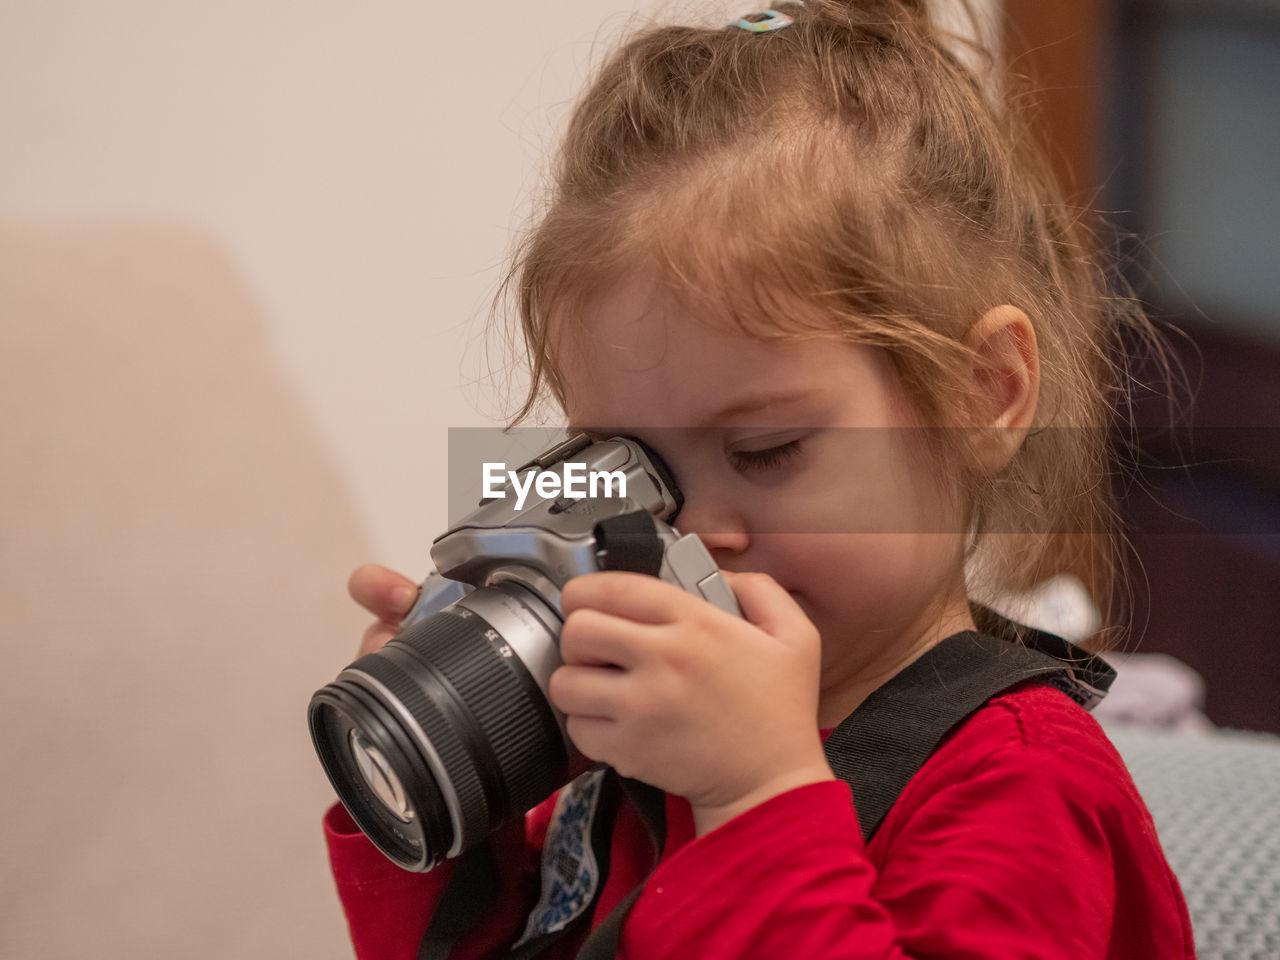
558 679
607 588
575 629
571 626
672 647
588 591
559 686
612 588
579 619
573 594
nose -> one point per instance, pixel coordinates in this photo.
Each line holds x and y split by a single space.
720 528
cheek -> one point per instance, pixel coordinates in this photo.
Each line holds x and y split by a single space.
857 584
860 481
896 487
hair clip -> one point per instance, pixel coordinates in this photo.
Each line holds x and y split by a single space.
763 21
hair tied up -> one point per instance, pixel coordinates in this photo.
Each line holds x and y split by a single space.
915 11
915 8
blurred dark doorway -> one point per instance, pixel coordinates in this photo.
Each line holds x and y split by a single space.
1165 115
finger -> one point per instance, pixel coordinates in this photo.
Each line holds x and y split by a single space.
594 639
384 593
632 596
586 691
594 737
766 605
376 637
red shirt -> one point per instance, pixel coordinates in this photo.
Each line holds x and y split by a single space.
1022 836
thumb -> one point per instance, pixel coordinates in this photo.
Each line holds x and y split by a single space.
766 605
386 594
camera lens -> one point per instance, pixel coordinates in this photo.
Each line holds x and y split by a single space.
380 777
445 733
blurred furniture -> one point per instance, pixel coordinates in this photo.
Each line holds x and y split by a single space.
174 543
1215 800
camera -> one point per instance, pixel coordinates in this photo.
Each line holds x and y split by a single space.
447 733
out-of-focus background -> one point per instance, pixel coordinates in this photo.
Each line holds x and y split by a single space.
247 252
1163 115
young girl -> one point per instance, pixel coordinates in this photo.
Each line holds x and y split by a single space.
808 261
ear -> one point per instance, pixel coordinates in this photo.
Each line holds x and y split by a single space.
1006 379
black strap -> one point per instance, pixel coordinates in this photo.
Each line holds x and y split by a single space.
629 542
876 751
470 895
881 745
651 803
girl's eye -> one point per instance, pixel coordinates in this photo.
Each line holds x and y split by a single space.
745 461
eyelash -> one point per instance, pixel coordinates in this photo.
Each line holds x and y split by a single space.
746 461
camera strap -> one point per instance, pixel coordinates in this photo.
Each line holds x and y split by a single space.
630 542
878 748
576 851
470 895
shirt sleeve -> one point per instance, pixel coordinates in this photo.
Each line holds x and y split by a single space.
388 909
1024 856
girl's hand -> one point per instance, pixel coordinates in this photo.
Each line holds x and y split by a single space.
668 689
387 595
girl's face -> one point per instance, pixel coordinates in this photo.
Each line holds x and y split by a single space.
799 459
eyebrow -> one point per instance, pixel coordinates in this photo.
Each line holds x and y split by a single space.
740 408
755 404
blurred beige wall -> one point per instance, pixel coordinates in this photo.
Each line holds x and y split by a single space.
246 254
173 540
361 165
245 250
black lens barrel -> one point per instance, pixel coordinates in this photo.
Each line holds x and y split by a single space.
345 706
490 735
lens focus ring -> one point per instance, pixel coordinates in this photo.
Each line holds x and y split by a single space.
494 732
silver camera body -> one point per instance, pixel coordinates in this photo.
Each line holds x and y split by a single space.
553 539
448 732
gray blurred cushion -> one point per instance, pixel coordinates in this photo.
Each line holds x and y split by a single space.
1216 804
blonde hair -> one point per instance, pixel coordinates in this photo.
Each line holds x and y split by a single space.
849 161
